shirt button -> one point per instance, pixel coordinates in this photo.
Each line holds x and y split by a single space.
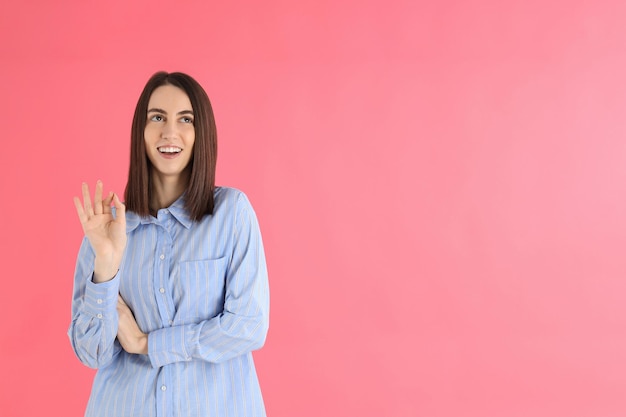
162 257
99 301
99 316
163 387
161 290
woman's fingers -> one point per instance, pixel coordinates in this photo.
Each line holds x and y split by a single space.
120 209
106 204
97 198
80 210
86 209
87 200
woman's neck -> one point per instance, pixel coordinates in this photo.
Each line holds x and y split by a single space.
167 189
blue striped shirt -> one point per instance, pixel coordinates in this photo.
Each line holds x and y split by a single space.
200 292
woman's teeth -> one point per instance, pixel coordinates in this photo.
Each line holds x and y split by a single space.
169 149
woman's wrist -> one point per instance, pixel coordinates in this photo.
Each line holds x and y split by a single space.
103 272
99 277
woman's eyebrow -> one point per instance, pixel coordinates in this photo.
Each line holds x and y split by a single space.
156 110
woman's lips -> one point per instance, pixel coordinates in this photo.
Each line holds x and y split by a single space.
169 152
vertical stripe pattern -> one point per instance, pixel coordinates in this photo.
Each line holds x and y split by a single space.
200 291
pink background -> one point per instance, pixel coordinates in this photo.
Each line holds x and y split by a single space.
440 186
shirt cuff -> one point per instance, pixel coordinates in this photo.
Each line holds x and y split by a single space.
101 298
168 345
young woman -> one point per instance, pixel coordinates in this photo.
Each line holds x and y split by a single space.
170 290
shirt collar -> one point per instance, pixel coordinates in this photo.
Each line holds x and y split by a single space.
177 210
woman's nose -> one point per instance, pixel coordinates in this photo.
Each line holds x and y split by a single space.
170 129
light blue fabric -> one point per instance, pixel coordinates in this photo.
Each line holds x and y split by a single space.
200 291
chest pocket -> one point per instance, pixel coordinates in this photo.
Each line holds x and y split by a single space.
199 291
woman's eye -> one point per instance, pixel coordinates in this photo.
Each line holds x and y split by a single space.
156 118
187 120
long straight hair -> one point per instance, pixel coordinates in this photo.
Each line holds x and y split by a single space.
199 193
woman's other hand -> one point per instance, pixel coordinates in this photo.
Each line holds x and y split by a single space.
130 336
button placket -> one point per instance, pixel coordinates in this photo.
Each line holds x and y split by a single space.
161 275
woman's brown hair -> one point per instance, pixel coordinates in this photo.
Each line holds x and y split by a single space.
199 193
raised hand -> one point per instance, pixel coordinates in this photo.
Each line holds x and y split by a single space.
106 234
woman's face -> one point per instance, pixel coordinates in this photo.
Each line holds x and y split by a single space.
169 132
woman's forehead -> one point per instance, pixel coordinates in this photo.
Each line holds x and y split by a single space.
170 98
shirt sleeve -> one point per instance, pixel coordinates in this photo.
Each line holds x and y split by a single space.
242 326
93 329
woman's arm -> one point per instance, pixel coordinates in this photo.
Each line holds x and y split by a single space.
243 324
94 323
130 336
96 285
